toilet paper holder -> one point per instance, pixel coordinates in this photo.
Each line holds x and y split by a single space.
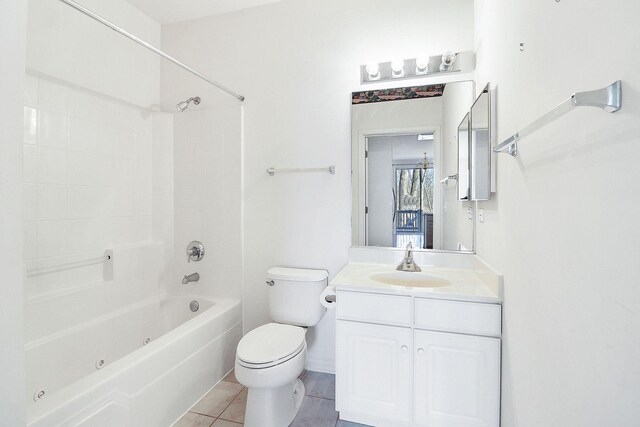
328 298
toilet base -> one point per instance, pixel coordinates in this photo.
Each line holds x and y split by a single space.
274 407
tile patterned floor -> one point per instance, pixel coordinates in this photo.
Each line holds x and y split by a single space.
223 406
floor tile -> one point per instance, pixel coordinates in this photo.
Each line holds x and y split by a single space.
235 411
316 412
231 377
224 423
342 423
218 398
194 420
318 384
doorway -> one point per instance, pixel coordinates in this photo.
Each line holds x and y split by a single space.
400 190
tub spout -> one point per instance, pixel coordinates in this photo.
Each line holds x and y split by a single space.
190 278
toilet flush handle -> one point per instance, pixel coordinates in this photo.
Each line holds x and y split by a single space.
270 282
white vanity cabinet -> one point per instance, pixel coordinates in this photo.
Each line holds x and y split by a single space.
457 380
377 377
417 361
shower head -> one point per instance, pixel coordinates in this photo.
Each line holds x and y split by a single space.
184 104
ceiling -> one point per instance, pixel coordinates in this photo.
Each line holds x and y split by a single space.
168 11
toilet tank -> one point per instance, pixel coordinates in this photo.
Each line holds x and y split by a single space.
294 297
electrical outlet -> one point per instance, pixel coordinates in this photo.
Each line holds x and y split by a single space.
470 213
481 215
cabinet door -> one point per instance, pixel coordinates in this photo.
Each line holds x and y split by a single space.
374 370
457 380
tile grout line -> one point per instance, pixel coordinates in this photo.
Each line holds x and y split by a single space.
235 397
319 397
225 408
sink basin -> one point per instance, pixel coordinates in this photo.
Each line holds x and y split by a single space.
411 279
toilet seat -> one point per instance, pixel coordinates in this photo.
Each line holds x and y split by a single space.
270 345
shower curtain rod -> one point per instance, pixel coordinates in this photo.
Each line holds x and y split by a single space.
144 44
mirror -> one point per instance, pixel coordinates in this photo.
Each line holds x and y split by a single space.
404 167
480 147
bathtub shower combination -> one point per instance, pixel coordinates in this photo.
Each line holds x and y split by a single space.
121 329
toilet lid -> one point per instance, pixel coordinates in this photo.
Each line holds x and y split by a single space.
270 343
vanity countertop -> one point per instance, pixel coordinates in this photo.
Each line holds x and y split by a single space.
466 284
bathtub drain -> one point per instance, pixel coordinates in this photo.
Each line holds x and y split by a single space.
194 306
100 364
38 395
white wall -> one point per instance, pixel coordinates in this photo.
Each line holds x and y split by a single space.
297 62
65 44
12 45
563 226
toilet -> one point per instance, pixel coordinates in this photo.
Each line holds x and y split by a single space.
270 358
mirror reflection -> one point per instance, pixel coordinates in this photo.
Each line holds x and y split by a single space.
480 146
405 162
463 159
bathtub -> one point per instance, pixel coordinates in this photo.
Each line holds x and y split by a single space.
142 366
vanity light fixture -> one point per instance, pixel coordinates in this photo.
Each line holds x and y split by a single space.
425 137
410 68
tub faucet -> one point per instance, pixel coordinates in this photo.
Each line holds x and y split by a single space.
407 263
190 278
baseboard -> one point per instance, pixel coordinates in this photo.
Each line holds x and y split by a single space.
320 365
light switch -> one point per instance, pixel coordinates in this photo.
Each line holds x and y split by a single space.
470 213
481 215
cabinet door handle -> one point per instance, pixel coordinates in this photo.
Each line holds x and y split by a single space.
404 348
420 350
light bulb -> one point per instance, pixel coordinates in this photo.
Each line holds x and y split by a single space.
447 61
422 65
373 70
397 66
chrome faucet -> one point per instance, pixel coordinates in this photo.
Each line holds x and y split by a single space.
407 263
190 278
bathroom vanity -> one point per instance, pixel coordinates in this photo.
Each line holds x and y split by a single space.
418 348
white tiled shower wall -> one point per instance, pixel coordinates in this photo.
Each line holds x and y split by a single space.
89 168
208 200
101 174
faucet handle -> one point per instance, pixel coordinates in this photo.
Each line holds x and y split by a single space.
195 251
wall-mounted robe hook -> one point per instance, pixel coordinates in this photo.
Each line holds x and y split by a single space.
521 47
